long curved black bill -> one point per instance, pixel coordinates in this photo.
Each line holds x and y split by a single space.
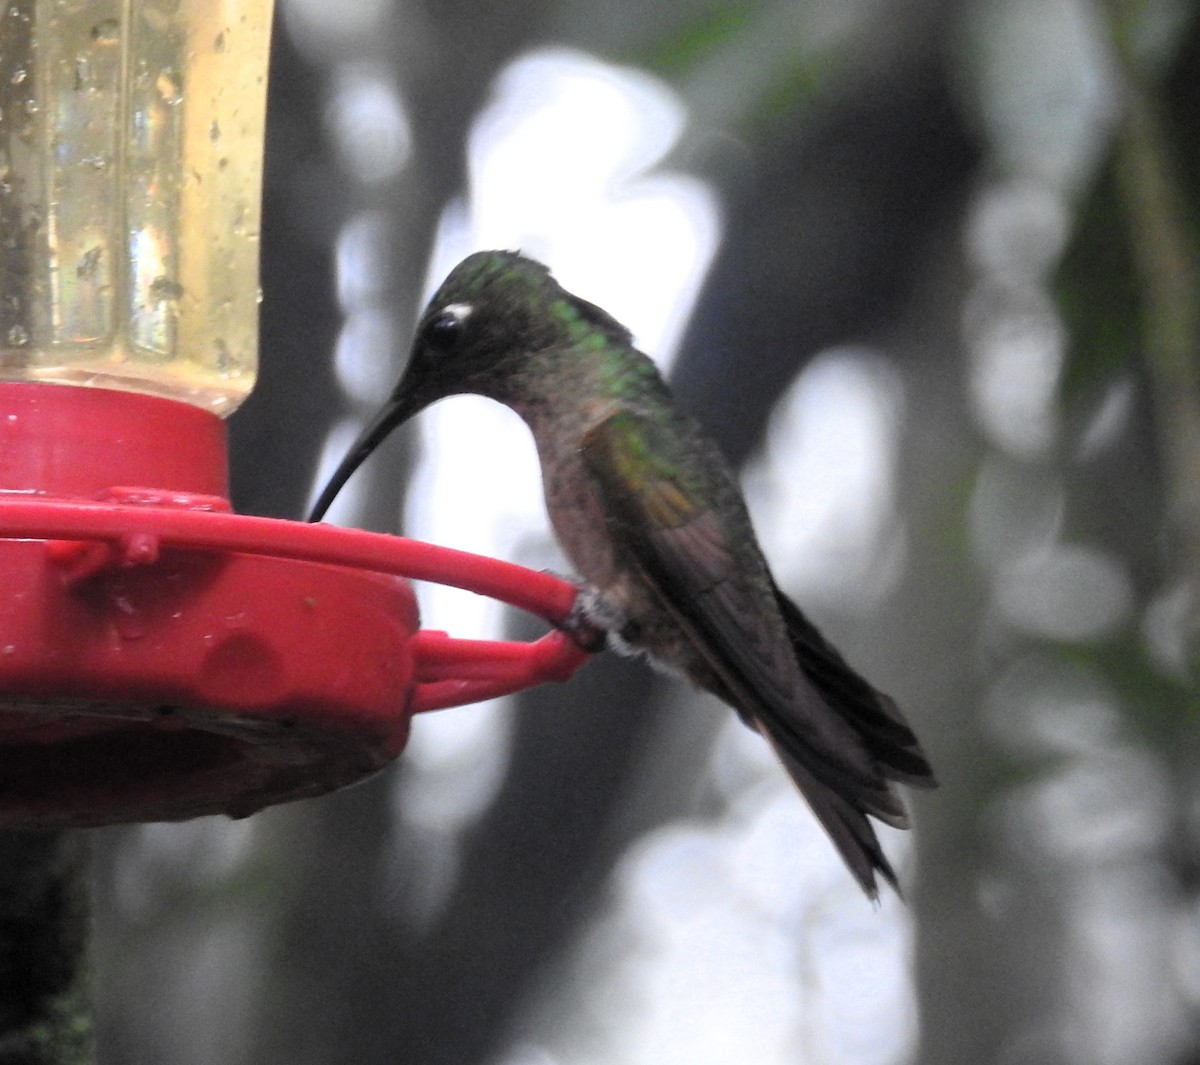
394 412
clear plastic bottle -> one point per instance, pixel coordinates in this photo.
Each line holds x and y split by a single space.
131 139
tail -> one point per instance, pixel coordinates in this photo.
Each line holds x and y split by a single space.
842 804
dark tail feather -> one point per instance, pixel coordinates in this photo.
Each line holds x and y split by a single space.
874 716
842 818
843 803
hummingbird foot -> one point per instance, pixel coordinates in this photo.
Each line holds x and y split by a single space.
589 623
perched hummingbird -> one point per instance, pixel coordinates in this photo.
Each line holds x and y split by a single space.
649 512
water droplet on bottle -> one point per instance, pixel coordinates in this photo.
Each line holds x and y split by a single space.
169 85
163 289
106 30
214 132
219 43
19 75
89 262
18 336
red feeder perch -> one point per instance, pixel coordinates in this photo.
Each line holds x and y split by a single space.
160 656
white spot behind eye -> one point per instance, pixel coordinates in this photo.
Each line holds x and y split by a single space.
460 312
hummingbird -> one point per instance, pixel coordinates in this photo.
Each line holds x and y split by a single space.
649 512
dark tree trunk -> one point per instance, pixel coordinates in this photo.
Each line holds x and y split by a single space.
45 1015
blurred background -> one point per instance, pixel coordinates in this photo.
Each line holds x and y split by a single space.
929 269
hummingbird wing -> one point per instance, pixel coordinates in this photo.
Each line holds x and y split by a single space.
762 657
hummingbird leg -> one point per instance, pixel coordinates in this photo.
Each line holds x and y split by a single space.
588 624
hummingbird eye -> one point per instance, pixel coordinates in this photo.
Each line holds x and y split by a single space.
446 329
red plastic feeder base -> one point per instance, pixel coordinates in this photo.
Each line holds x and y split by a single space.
163 658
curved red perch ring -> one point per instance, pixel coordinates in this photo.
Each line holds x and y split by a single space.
163 658
450 671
